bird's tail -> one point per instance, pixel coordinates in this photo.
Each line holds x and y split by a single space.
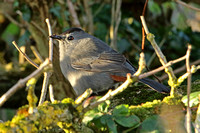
156 85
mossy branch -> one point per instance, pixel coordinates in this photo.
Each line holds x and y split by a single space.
49 117
173 82
31 97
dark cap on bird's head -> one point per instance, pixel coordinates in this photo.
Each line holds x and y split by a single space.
71 30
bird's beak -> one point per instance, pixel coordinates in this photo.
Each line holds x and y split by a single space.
58 37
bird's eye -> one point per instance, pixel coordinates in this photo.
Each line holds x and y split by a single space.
70 38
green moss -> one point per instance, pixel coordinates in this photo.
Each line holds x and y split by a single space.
31 97
146 110
135 95
68 100
48 117
194 87
171 100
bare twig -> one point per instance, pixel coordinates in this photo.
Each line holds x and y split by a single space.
38 28
22 82
11 19
21 56
75 21
47 75
184 76
134 45
99 9
37 55
154 54
188 89
178 70
51 94
143 39
144 24
144 9
25 56
143 32
50 40
188 6
144 75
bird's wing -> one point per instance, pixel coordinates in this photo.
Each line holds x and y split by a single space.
97 56
104 62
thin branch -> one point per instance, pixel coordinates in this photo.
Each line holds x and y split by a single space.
50 40
143 39
75 21
178 70
22 82
82 97
134 45
144 9
188 89
38 28
184 76
11 19
154 54
144 24
25 56
47 75
37 54
187 5
147 74
143 32
99 9
51 94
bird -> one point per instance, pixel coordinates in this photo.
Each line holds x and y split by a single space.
88 62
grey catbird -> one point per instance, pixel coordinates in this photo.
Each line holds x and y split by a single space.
88 62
